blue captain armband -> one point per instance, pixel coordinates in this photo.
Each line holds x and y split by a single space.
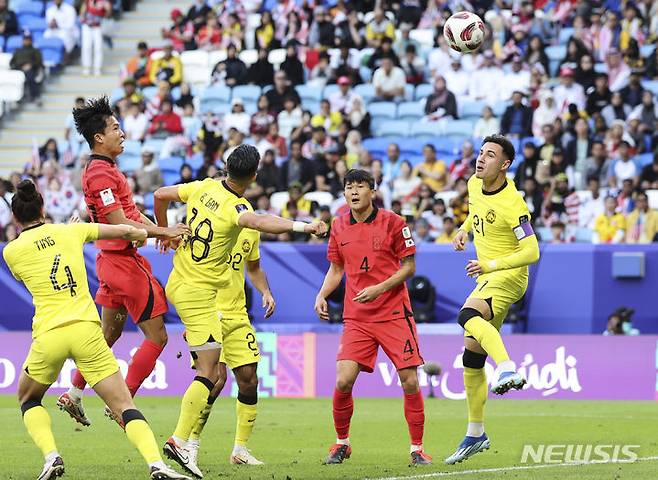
523 229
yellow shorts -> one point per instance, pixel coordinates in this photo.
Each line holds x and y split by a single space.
500 290
239 346
82 341
196 308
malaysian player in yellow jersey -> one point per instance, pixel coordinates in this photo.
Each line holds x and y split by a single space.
239 347
216 214
49 260
505 245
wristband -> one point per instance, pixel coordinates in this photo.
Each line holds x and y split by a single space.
299 227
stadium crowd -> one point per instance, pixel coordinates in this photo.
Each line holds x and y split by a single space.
323 87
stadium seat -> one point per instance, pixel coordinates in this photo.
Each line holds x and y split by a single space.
171 164
424 36
150 92
499 108
565 34
544 234
249 57
196 162
411 146
321 198
382 110
132 147
216 56
446 196
376 146
647 50
556 52
651 85
170 178
422 91
213 96
197 76
413 111
250 107
329 90
644 159
312 106
424 130
13 43
36 25
154 144
248 93
5 58
366 91
52 50
308 92
278 200
652 196
409 90
276 57
394 128
12 85
194 58
583 235
30 8
458 127
600 68
148 201
472 109
129 162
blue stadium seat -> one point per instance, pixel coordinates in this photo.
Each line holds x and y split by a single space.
149 92
216 93
556 52
116 95
308 92
499 108
422 91
472 109
329 90
644 159
411 111
383 110
132 147
170 178
13 43
35 24
148 201
409 90
458 127
2 43
583 235
366 91
394 128
129 162
424 130
171 164
30 8
565 34
446 145
536 141
376 146
651 85
411 146
196 162
600 67
155 144
216 106
647 50
52 50
248 93
544 234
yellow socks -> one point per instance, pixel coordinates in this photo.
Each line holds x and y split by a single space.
192 406
37 422
141 436
475 383
203 419
245 409
488 337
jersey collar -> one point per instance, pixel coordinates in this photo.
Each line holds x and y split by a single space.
96 156
230 189
502 187
370 219
33 226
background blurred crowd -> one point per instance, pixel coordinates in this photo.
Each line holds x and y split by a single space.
572 83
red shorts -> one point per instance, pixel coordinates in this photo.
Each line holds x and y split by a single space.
126 280
398 339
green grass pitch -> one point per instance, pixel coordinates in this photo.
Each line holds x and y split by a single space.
293 436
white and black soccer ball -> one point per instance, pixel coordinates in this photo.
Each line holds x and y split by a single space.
464 32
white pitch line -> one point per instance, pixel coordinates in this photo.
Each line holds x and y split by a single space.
509 469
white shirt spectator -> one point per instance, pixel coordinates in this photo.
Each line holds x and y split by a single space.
482 82
394 80
240 121
289 121
438 61
515 82
623 170
343 103
590 209
65 17
485 127
565 95
403 189
60 200
135 127
5 210
457 82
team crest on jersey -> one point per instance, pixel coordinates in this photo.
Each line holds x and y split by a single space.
246 246
376 243
491 216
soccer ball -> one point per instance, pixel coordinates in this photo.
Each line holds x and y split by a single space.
464 32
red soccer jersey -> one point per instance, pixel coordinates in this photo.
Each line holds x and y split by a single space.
106 189
370 252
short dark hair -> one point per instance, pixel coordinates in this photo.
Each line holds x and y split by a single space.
505 144
355 175
242 163
91 118
27 203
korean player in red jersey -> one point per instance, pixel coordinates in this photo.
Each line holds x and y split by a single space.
127 284
375 251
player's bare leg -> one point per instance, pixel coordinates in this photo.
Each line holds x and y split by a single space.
193 402
115 394
37 422
112 322
245 406
414 413
347 372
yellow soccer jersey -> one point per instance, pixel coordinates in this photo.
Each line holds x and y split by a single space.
499 220
231 299
213 210
48 259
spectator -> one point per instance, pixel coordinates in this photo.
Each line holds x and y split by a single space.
11 232
325 167
624 167
555 204
347 64
5 204
153 105
391 167
578 150
166 123
487 75
293 66
449 231
264 34
62 23
278 142
71 135
598 164
261 72
262 119
233 34
610 227
618 72
209 37
130 95
298 169
585 73
191 122
60 200
331 121
632 93
149 176
487 124
48 151
516 80
463 166
435 217
231 71
626 197
28 59
135 123
599 96
185 174
568 91
528 165
421 232
268 178
238 118
401 44
389 81
385 50
649 175
336 186
542 172
290 118
138 67
457 80
197 14
591 206
8 20
545 114
413 66
534 198
343 99
441 103
379 28
432 171
642 223
181 33
282 89
318 144
186 97
355 153
646 113
168 68
322 32
405 187
92 14
535 53
320 73
303 206
517 119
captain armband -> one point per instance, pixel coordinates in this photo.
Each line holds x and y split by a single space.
523 229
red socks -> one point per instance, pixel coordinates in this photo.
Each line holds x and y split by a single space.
343 409
142 364
414 412
78 380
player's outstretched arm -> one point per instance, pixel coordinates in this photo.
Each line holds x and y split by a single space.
266 223
331 281
161 199
526 255
259 280
118 217
405 272
126 232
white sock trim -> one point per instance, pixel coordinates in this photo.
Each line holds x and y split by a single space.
475 429
507 366
343 441
52 456
416 448
158 464
75 393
